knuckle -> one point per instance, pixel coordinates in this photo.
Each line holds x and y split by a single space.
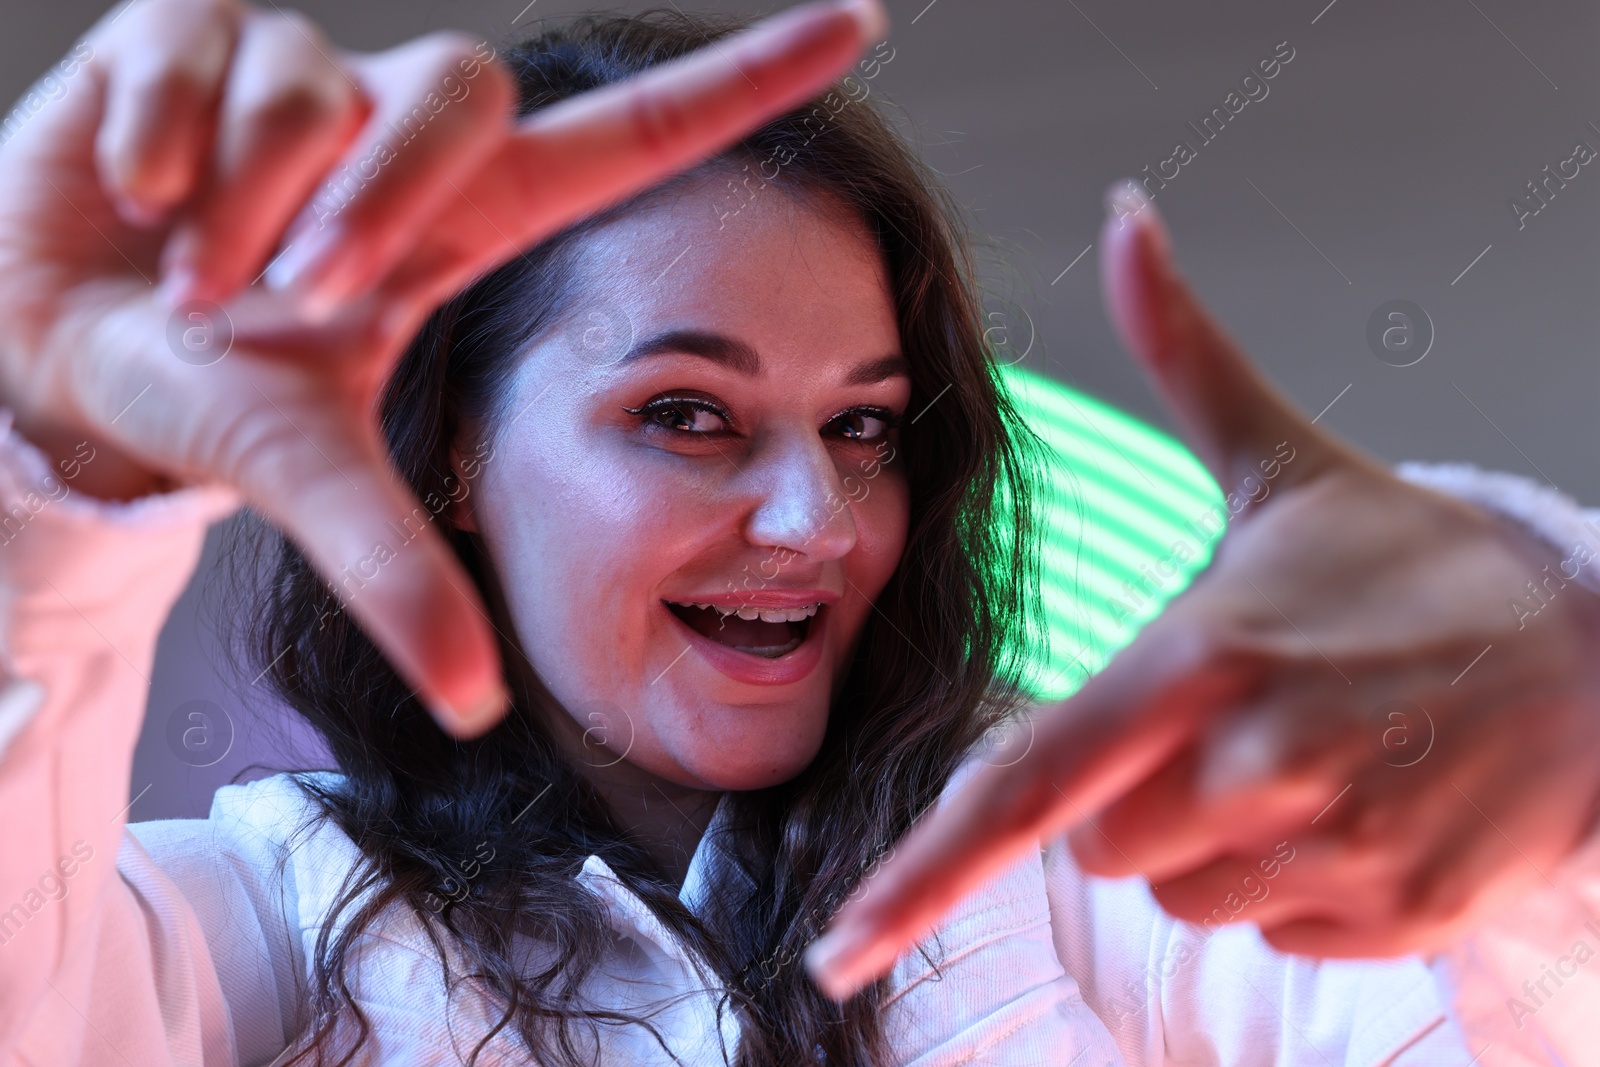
1233 650
1365 834
297 22
464 74
446 52
295 109
1236 646
168 10
1428 899
1372 860
261 452
241 450
657 121
1313 750
125 29
446 46
1434 894
171 88
496 83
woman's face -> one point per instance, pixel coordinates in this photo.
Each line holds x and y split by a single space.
693 496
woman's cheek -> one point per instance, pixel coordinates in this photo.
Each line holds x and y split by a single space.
882 518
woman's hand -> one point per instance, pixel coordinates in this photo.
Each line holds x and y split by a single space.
197 153
1348 677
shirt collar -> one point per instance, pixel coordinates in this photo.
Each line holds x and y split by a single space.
711 858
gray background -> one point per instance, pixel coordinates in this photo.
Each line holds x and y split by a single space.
1379 166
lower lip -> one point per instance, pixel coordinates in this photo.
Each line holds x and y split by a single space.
751 669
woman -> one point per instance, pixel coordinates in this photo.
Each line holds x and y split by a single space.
726 464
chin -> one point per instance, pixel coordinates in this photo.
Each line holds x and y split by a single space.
752 757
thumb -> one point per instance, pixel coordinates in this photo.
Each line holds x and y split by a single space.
1226 410
326 480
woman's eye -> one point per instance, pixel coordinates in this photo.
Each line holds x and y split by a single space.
684 416
692 416
864 425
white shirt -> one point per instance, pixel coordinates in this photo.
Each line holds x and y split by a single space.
186 941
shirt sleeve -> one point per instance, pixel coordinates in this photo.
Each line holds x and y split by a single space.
987 987
1524 986
1177 992
96 965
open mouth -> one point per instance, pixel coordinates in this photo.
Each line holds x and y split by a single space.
765 632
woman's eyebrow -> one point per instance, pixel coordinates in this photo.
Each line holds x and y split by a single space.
879 370
743 359
731 353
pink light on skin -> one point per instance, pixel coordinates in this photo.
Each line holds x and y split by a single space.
600 512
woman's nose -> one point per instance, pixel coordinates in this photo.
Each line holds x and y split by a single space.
802 504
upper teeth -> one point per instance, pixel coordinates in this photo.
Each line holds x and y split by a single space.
765 614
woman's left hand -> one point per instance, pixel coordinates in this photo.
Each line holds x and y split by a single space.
1348 685
216 144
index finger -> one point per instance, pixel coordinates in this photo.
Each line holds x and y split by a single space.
1084 752
583 154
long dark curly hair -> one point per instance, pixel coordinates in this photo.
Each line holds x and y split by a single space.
937 664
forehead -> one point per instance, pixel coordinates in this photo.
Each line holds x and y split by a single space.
780 270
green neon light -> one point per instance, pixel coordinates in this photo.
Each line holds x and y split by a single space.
1128 518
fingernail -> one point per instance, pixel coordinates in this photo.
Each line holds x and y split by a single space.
308 268
1126 198
296 259
827 960
178 287
870 16
137 213
180 276
477 717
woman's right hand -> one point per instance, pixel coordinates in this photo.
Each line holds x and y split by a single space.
183 287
